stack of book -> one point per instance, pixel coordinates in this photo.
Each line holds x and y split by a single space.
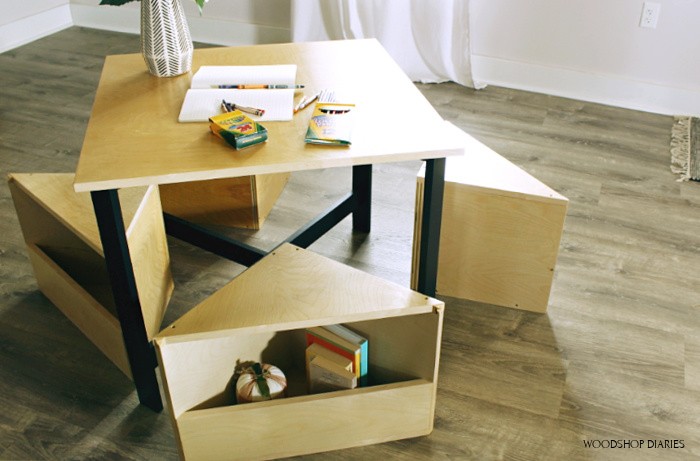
336 358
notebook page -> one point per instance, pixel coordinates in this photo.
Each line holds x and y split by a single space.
212 76
203 99
201 104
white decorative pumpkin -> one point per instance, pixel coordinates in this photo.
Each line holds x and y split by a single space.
260 382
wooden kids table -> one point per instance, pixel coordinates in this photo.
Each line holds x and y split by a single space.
133 139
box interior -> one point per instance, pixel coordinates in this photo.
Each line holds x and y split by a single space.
200 373
73 255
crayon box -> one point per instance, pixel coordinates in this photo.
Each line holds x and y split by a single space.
237 129
331 124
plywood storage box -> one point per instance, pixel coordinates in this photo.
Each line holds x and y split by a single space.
500 233
65 250
261 316
235 202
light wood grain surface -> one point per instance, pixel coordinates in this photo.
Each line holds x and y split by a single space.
275 294
237 202
484 169
62 225
261 316
616 356
53 192
329 422
500 233
135 115
79 305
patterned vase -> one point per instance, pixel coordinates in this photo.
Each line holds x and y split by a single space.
166 43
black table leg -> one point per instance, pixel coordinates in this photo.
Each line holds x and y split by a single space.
212 241
358 202
362 191
430 225
121 274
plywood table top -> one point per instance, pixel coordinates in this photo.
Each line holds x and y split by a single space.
133 137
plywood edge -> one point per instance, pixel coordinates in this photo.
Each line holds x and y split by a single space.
438 345
166 388
235 410
417 233
88 315
541 193
81 185
255 208
171 334
553 197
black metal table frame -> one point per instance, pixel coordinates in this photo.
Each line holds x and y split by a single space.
110 222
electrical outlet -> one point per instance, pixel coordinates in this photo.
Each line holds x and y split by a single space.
650 15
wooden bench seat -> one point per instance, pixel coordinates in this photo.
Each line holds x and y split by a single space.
246 320
63 242
500 233
232 202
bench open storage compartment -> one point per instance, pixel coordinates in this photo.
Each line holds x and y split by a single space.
261 316
63 242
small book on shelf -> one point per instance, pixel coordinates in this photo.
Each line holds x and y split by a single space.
345 342
325 375
316 349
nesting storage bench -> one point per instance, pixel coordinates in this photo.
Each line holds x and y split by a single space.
65 250
500 231
261 316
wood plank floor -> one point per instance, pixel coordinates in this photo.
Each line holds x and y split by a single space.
617 356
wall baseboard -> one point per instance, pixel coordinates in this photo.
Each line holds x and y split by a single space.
203 30
26 30
602 89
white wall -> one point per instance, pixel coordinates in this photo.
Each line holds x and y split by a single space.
222 22
591 50
15 11
24 21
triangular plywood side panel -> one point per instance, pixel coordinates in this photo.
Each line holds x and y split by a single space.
268 188
62 222
54 192
483 168
150 258
294 288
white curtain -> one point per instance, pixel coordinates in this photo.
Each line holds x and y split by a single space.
429 39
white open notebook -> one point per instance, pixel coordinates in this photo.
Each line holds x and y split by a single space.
203 99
